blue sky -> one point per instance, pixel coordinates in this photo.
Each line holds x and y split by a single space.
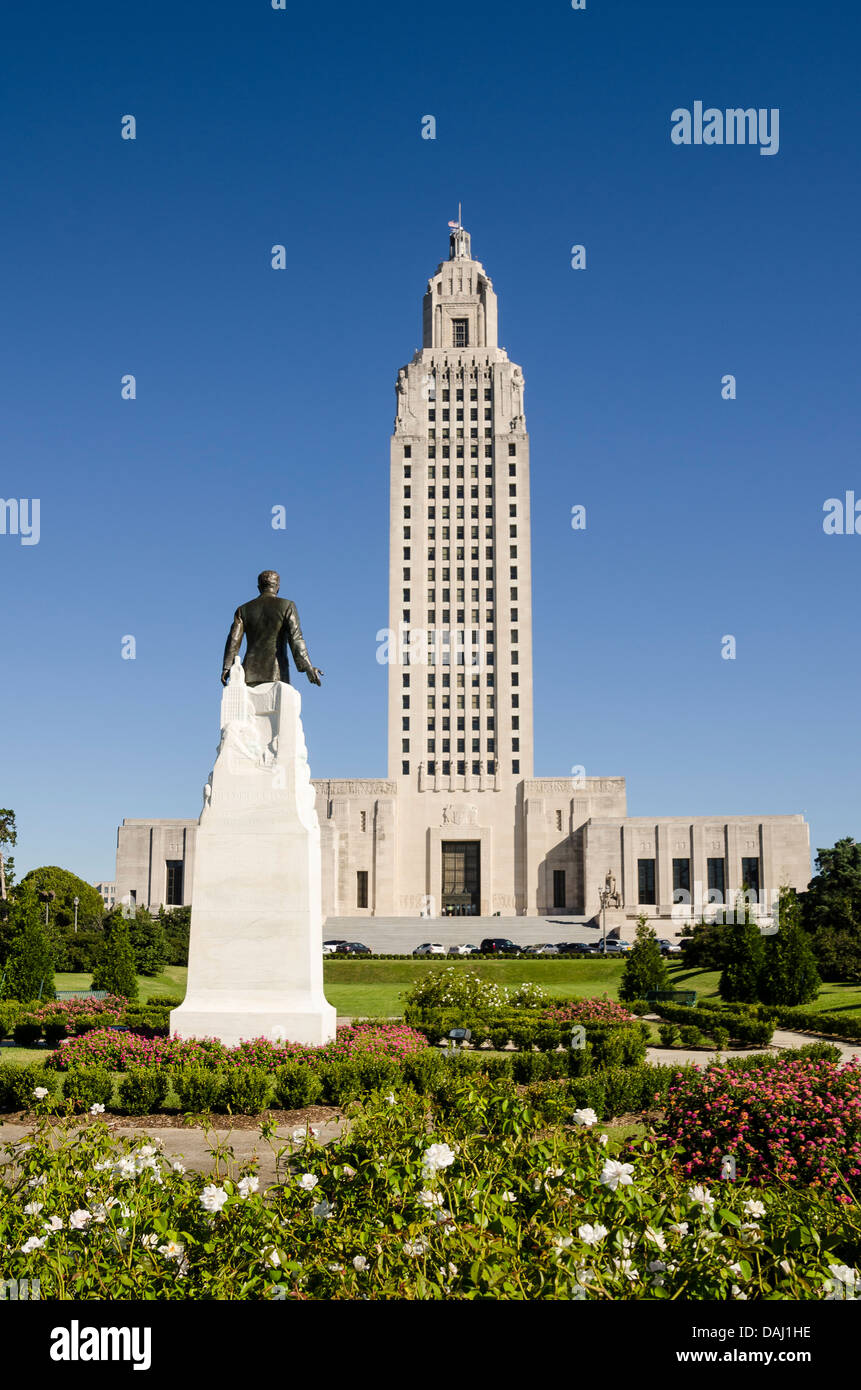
257 388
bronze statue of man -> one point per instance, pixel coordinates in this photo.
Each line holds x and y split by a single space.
270 625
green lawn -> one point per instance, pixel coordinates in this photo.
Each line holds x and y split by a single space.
373 988
171 981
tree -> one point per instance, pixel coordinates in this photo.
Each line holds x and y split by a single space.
29 969
789 973
8 836
831 911
706 943
66 887
115 968
148 943
743 960
645 968
176 922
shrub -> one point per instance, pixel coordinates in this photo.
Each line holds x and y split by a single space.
18 1083
246 1090
530 1066
669 1034
691 1035
744 955
783 1121
815 1052
29 966
199 1089
142 1091
640 1007
297 1086
645 968
377 1073
527 996
340 1081
27 1033
55 1033
454 987
720 1038
601 1010
618 1046
10 1013
164 1001
89 1086
115 968
789 975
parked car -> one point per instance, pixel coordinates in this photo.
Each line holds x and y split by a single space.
430 948
669 948
615 948
335 944
329 948
579 948
462 950
545 948
499 946
354 948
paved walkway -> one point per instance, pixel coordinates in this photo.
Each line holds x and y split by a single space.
701 1056
193 1147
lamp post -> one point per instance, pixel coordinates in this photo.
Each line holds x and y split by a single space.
605 898
76 901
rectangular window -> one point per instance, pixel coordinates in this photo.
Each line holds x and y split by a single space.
717 877
681 876
361 888
173 885
558 888
750 875
460 332
363 820
645 881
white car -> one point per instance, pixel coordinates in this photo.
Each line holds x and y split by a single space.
669 948
328 949
462 950
430 948
615 948
546 948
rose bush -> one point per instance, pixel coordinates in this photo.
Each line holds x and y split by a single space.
474 1200
796 1121
119 1051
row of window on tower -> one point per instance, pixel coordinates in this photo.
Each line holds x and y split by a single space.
459 448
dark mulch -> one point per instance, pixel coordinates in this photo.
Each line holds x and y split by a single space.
284 1119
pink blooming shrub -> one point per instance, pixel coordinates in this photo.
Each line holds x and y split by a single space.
70 1011
796 1121
588 1011
119 1051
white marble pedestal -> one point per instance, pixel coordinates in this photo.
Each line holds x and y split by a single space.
256 952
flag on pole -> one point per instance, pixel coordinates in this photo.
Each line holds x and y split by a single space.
454 224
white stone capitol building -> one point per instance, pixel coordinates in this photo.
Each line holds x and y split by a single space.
461 825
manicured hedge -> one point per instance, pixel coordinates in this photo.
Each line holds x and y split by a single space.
742 1026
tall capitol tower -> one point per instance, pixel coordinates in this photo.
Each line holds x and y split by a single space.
461 826
460 589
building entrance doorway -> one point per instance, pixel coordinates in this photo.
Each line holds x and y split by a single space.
461 878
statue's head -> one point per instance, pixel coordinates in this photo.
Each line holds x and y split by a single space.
269 582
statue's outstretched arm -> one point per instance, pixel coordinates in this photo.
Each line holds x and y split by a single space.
298 647
231 650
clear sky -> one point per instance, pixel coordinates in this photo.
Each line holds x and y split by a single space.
258 387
